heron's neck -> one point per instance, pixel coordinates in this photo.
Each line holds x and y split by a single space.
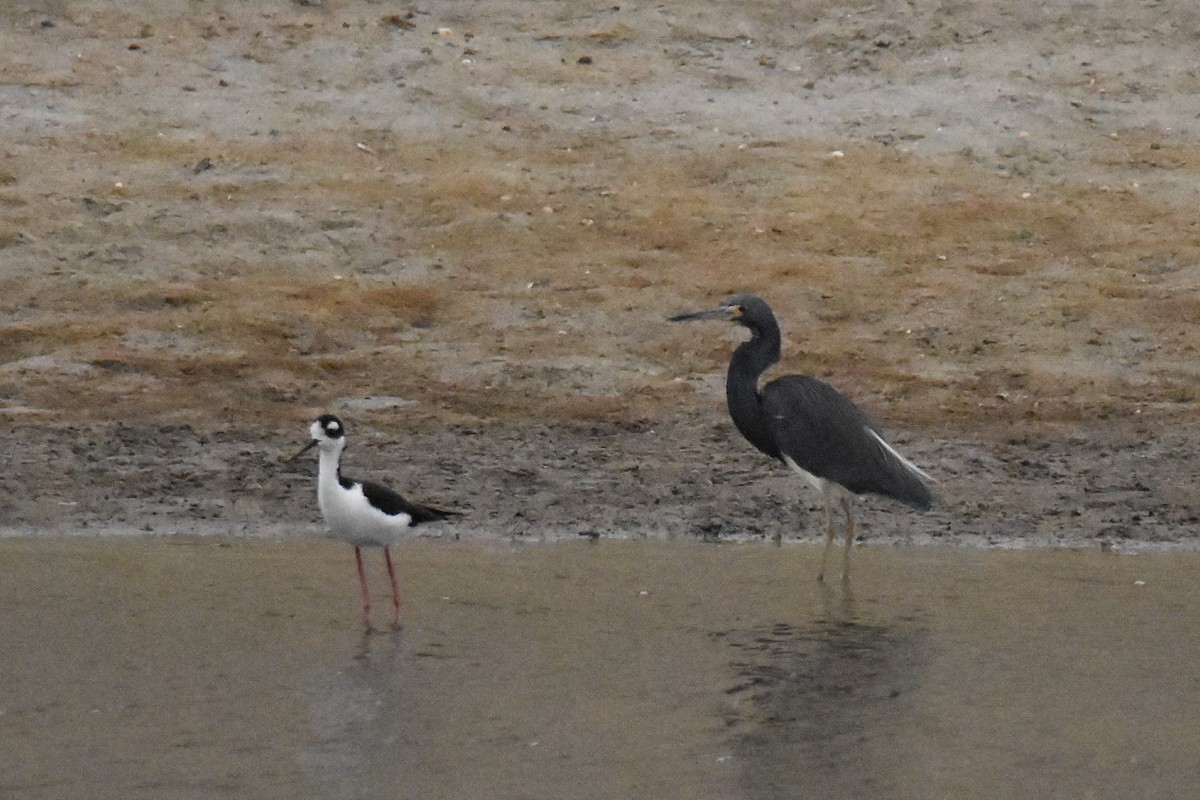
751 360
756 355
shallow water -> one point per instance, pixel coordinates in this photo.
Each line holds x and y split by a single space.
154 667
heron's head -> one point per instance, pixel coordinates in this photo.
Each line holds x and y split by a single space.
748 310
328 433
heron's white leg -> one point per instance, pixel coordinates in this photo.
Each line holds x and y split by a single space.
830 533
849 537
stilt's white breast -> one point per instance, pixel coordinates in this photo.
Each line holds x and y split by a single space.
350 517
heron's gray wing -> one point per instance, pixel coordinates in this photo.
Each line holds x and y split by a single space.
827 435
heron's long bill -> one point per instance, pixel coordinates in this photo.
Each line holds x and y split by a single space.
305 449
723 312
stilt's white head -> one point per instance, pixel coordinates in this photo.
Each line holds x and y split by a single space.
328 433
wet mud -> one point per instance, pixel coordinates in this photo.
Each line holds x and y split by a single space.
691 477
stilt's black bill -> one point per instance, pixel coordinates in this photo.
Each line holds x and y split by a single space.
305 449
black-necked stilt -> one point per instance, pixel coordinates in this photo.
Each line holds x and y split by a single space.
810 426
363 513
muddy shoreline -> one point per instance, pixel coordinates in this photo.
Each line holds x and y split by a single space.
684 479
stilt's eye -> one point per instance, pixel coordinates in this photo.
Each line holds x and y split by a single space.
332 427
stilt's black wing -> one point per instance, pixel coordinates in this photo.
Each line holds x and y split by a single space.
393 503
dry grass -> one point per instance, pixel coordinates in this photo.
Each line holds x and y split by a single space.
928 286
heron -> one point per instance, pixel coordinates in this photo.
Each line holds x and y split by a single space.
810 427
363 513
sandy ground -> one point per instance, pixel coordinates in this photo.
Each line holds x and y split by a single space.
462 226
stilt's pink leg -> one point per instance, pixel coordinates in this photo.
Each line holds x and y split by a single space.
387 557
362 582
